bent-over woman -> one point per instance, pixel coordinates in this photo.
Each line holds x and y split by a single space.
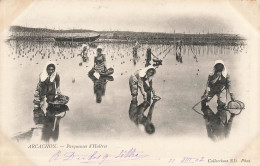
142 79
218 84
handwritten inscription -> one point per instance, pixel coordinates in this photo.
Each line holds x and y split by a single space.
98 157
186 160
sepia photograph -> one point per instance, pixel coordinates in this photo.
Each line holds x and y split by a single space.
129 83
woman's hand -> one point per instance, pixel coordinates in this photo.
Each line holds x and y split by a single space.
57 92
205 95
42 104
153 92
232 97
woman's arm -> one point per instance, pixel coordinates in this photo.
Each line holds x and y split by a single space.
150 113
207 87
229 87
95 59
57 80
151 86
141 86
104 59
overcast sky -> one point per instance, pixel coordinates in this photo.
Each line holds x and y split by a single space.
148 16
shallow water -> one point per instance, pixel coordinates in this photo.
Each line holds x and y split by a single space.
180 86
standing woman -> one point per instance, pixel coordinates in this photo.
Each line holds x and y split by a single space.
135 48
142 79
49 84
84 53
148 57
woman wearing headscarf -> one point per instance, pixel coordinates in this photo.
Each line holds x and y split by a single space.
49 84
99 62
218 81
142 79
135 48
84 53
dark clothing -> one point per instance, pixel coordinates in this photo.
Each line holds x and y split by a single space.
217 86
217 125
99 85
136 112
178 53
148 89
148 58
178 57
84 55
51 122
135 57
220 84
49 88
138 81
100 63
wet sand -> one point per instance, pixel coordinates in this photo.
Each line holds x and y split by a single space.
179 85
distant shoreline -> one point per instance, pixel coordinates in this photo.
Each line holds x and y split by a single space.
43 34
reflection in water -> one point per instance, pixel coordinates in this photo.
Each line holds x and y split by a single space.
47 126
218 81
50 121
135 57
120 55
136 114
179 51
99 85
218 127
39 50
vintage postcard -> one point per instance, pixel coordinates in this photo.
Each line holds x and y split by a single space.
95 82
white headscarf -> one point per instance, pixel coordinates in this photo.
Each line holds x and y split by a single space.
143 71
85 45
44 75
224 72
